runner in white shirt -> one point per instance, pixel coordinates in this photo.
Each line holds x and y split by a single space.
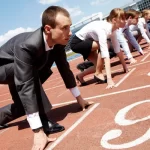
92 37
134 30
143 27
132 19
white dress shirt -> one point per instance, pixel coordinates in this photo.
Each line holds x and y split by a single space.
34 119
100 31
142 25
123 42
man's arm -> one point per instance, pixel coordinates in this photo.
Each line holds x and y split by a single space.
27 82
25 75
60 59
63 66
132 40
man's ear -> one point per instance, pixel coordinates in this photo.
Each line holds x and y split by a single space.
130 17
114 20
47 29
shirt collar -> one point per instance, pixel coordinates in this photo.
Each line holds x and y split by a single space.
125 27
47 48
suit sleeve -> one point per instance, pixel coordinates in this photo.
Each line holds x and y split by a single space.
63 66
26 77
132 39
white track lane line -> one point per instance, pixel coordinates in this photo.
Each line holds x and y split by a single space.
104 95
92 76
99 96
5 100
63 93
55 143
145 57
54 87
5 94
111 62
87 78
127 75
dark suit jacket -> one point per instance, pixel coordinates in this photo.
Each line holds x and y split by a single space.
27 52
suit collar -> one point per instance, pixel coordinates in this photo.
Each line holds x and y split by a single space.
47 48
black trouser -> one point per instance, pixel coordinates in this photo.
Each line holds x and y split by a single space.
16 109
86 64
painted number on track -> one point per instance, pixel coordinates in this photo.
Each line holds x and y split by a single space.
120 119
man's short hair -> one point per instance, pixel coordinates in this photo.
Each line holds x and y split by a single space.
131 12
49 15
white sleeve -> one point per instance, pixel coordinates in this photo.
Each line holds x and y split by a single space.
34 120
143 33
122 41
132 39
102 37
115 42
75 91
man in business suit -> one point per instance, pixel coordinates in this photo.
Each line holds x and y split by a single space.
25 62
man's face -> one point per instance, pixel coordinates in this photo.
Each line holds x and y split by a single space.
133 21
61 33
147 17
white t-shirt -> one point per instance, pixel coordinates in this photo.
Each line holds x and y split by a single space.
143 25
133 27
100 31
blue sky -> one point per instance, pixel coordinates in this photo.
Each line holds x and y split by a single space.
25 15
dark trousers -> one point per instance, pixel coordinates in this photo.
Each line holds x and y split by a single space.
84 65
16 109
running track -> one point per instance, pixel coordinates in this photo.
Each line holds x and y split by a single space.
119 119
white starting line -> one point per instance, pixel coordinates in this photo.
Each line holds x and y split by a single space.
127 75
103 95
55 143
145 57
